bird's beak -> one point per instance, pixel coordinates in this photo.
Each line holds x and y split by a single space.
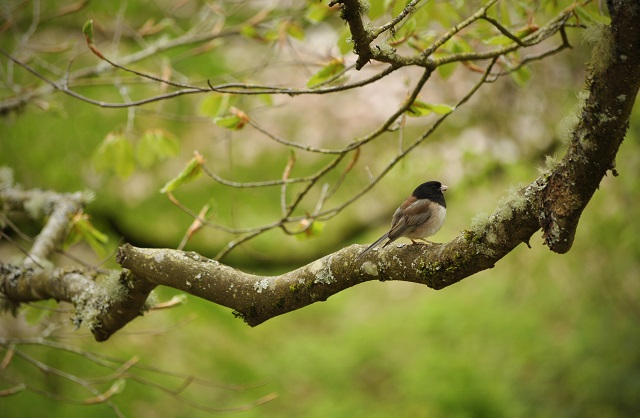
443 188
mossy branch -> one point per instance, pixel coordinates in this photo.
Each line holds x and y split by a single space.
553 203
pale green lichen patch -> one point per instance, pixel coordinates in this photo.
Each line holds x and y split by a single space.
158 257
115 288
261 285
604 117
370 268
550 165
567 126
6 177
35 205
601 38
92 303
479 223
321 271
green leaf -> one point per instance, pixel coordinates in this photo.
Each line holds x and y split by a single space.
591 17
115 154
266 99
234 121
460 45
216 104
419 108
408 28
295 31
317 12
521 76
87 30
309 231
191 171
345 44
250 31
327 72
156 145
83 230
447 70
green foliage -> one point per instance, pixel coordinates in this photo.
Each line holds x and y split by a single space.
115 155
87 30
317 12
235 120
591 16
310 229
326 73
83 230
419 108
521 76
539 335
189 173
156 145
216 104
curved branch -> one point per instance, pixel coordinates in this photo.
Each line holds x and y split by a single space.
553 202
613 87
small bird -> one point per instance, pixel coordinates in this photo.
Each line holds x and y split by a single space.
419 217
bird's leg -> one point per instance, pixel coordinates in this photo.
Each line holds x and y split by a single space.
422 239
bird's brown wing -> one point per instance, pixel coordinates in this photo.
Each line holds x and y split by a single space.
413 213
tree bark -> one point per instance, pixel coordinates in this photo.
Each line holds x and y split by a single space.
553 202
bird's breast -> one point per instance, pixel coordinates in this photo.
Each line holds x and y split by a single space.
431 225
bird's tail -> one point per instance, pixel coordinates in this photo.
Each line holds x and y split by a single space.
378 241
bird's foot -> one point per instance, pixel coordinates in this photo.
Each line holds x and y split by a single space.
413 242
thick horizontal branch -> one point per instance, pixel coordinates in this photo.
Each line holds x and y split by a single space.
103 307
259 298
553 202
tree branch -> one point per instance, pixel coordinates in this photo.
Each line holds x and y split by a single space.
613 87
553 202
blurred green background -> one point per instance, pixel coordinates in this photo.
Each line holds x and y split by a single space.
539 335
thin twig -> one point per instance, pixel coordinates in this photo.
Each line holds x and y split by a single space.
408 9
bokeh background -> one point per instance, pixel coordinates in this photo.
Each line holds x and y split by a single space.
538 335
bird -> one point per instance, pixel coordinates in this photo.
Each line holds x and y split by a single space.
420 216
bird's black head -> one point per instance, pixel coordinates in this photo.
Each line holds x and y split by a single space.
431 190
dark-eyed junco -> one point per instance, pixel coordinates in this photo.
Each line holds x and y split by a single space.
419 217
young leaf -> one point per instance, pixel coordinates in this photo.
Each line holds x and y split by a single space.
446 70
189 173
310 229
295 31
317 12
251 32
83 229
156 145
87 31
327 72
115 154
521 76
419 108
234 121
589 17
216 104
345 44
